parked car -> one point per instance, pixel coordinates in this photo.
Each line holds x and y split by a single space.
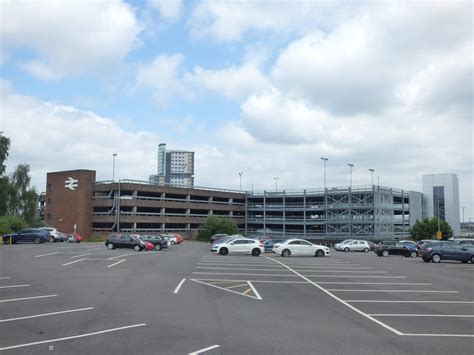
74 238
227 237
337 246
464 242
300 247
268 245
173 240
436 251
215 237
410 245
149 246
124 241
238 246
158 242
179 238
34 235
55 235
391 247
354 245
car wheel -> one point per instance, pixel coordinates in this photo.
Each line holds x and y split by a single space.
157 247
366 250
319 253
385 253
223 251
472 259
173 243
464 261
346 249
426 260
256 252
51 239
436 258
110 246
136 247
37 240
286 253
413 254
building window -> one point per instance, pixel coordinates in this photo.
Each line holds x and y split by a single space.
438 202
50 202
50 187
49 216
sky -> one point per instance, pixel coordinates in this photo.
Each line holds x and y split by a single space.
265 88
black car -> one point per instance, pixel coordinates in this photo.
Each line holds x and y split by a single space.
158 241
34 235
124 241
387 248
436 251
216 237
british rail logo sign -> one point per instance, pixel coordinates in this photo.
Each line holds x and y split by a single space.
71 183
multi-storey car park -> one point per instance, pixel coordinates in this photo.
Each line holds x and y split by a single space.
74 200
370 212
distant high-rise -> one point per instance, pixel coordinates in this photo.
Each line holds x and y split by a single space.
441 198
175 167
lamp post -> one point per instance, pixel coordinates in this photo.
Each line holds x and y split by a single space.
324 160
372 175
240 179
113 167
350 172
276 183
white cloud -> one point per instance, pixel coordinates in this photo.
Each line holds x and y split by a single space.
53 137
163 75
170 10
233 82
68 38
229 20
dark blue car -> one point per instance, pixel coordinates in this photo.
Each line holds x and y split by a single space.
33 235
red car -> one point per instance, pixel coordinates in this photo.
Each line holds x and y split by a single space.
149 246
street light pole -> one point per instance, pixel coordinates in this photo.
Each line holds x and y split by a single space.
113 168
372 173
350 172
240 179
276 183
324 160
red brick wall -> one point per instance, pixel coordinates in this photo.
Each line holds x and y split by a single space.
66 207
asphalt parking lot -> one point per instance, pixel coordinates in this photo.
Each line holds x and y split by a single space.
85 299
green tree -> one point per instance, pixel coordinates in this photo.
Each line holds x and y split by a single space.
10 224
427 228
4 146
214 225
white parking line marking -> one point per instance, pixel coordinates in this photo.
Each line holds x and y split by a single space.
118 262
386 301
38 256
176 290
226 289
342 301
203 350
26 298
237 268
349 272
72 262
394 291
5 278
119 256
45 314
71 337
424 315
438 335
254 291
13 286
255 281
316 276
375 283
78 256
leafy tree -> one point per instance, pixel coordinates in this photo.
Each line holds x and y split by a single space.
214 225
427 228
4 146
10 224
16 196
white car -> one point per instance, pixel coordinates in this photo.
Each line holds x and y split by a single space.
239 246
300 247
54 234
337 246
354 245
